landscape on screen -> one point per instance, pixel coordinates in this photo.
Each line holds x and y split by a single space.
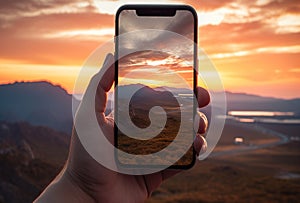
173 102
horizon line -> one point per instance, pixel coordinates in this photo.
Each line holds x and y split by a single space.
70 93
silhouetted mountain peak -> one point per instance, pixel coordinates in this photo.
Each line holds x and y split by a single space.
39 103
37 86
148 96
246 96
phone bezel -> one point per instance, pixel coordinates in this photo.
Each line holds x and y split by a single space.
195 73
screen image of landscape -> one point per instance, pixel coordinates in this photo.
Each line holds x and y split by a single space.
161 78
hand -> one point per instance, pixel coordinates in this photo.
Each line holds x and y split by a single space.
84 180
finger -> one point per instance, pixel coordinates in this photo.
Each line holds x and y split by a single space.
104 86
202 97
200 144
94 98
201 123
152 181
108 78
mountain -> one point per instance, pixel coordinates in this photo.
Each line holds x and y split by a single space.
174 90
30 157
235 101
244 102
147 96
45 104
125 90
39 103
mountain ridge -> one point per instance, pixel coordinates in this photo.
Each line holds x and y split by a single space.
39 103
42 103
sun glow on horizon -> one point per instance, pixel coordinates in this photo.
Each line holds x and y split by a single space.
82 33
255 45
66 78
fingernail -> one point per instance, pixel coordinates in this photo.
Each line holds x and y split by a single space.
200 123
203 147
106 60
205 121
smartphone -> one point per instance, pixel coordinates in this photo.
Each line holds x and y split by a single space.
162 67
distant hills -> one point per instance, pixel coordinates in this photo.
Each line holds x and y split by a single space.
45 104
249 102
235 101
124 90
30 157
38 103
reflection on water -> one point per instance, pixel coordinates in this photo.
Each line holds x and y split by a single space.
282 121
246 120
263 117
260 113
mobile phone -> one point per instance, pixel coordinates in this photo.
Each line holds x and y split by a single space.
152 73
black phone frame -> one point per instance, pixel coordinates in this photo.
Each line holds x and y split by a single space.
149 10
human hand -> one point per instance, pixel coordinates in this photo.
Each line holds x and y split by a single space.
83 179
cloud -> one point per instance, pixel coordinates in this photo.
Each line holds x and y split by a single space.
18 8
288 24
237 37
182 23
171 35
56 37
286 5
111 6
83 35
139 58
207 5
251 41
272 50
153 60
250 25
58 22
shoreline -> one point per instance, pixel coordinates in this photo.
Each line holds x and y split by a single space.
279 139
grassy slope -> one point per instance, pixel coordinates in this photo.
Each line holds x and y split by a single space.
247 177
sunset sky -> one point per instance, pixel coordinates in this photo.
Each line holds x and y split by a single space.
255 45
162 56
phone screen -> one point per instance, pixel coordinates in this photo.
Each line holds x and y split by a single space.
160 70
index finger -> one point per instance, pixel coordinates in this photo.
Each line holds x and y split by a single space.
202 97
105 84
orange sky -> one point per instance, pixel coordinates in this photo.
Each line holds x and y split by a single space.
156 58
146 68
255 45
